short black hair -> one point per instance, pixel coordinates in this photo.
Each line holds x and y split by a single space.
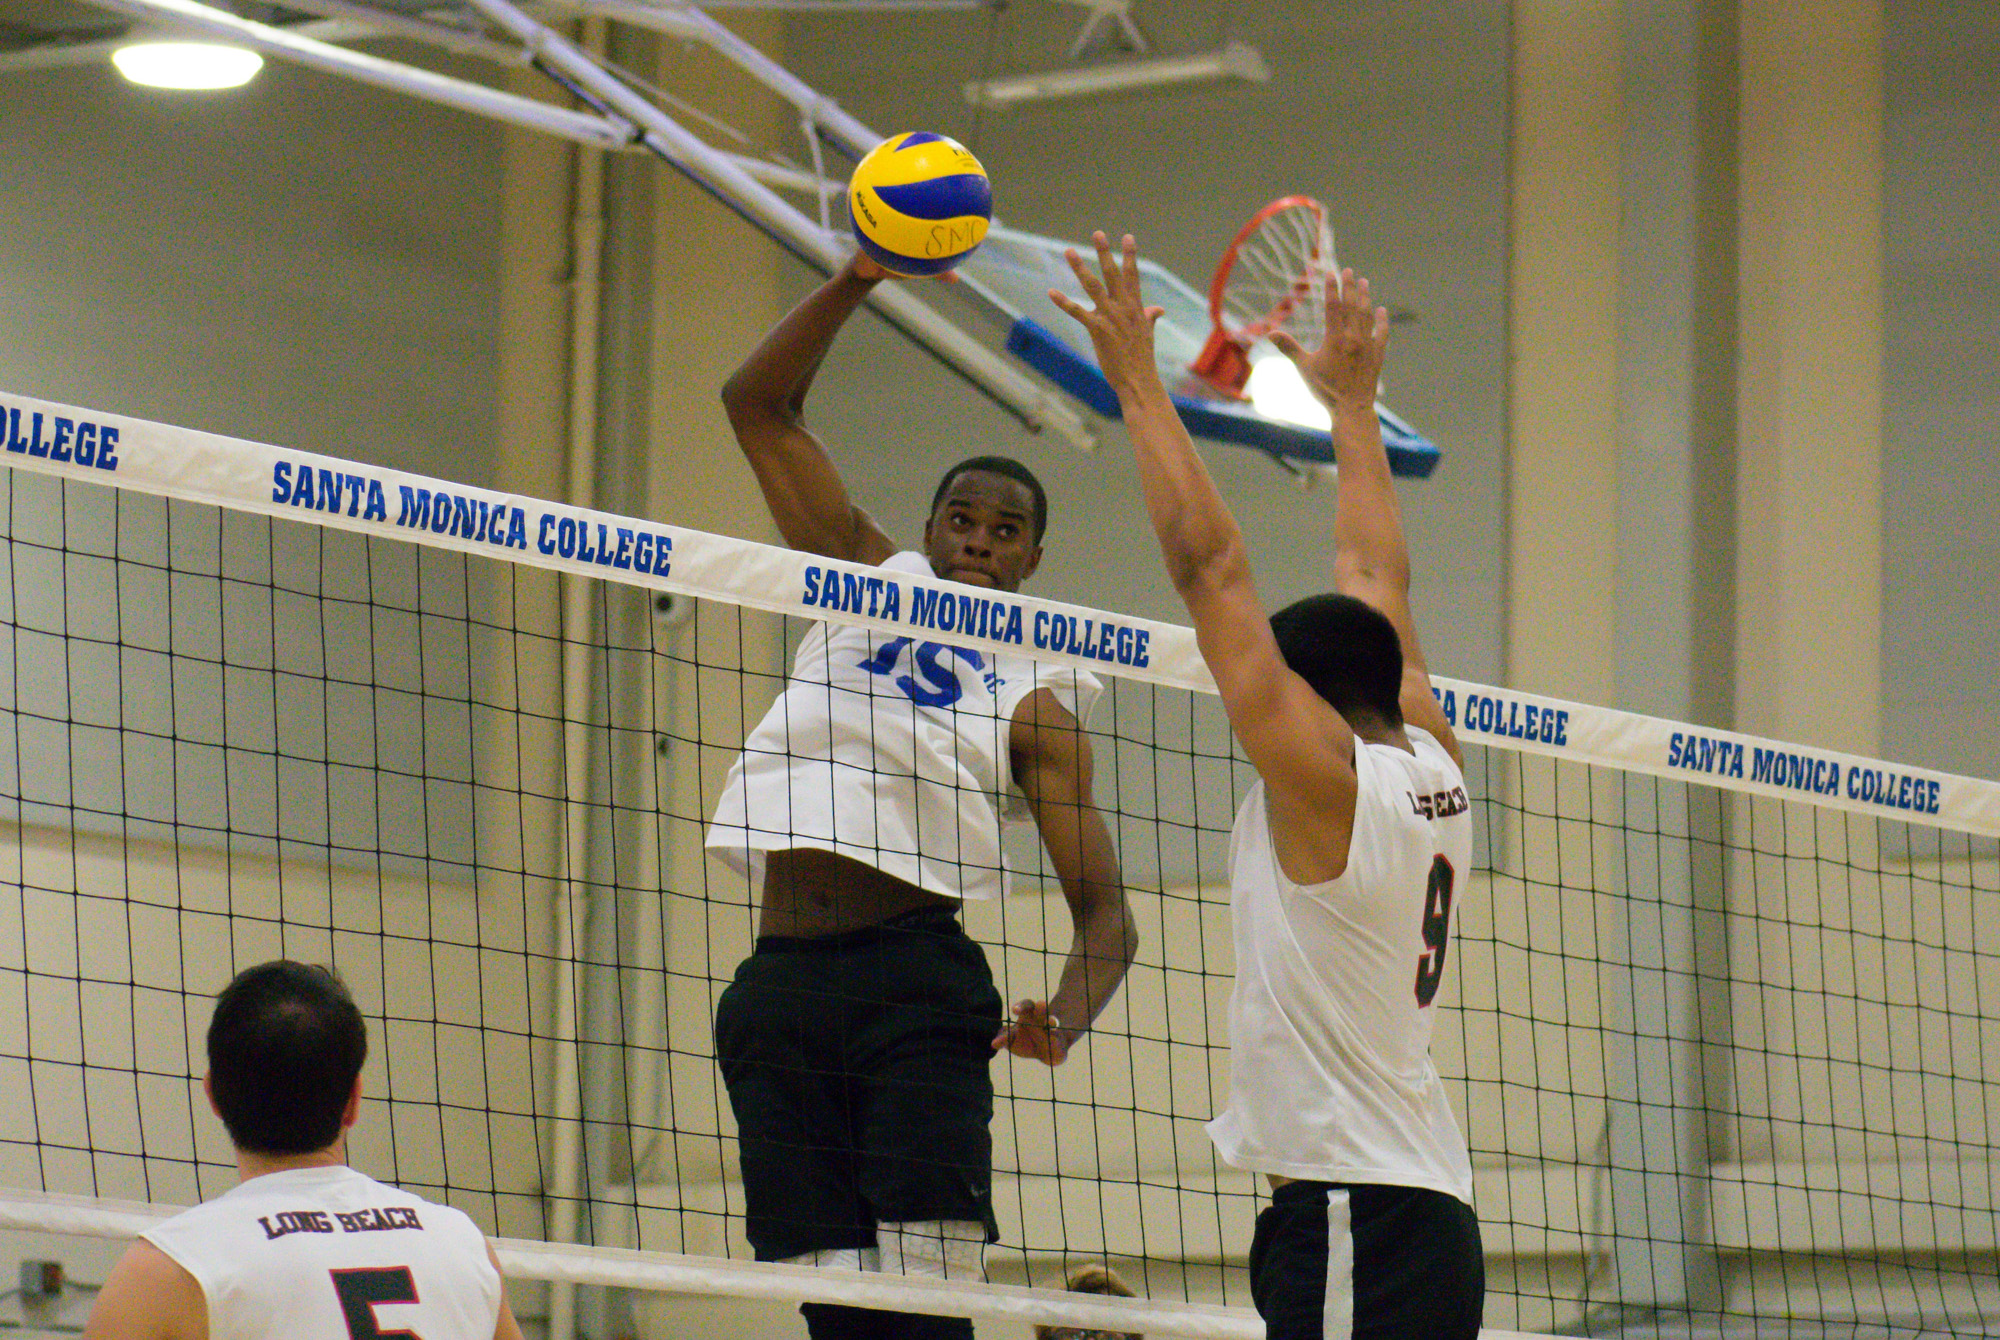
283 1050
999 465
1348 651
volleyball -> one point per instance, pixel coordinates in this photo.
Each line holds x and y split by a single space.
920 203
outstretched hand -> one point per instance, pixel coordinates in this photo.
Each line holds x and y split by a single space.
1346 369
1120 325
863 266
1033 1035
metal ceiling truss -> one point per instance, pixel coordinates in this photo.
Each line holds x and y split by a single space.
617 117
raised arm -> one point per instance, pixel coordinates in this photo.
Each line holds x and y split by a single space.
766 399
1052 765
1371 557
1301 747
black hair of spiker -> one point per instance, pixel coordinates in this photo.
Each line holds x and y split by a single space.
999 465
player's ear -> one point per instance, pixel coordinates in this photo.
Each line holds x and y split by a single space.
1034 561
352 1112
208 1092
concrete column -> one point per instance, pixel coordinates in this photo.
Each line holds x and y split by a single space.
718 285
1622 539
1809 497
521 759
1563 336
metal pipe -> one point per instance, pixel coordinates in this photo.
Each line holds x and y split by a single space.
388 23
462 94
63 55
586 304
682 20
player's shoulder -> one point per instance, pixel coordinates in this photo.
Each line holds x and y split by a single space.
1019 681
1387 769
1431 750
431 1213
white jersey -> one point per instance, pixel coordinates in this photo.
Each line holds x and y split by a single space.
892 751
1331 1077
326 1254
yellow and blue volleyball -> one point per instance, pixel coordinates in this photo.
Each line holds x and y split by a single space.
920 203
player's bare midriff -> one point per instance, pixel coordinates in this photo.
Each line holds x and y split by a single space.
809 892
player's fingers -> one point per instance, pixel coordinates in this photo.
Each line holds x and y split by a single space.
1068 304
1129 263
1105 261
1091 284
1381 325
1347 291
1288 346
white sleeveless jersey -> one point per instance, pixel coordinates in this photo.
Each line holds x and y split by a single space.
330 1254
892 751
1331 1076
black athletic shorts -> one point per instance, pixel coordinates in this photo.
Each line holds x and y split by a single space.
1335 1260
858 1066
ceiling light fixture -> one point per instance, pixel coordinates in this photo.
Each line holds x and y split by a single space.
187 65
1237 60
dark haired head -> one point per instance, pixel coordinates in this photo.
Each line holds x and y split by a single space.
283 1050
1348 651
999 465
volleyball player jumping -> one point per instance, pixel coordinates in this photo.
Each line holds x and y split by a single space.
1343 859
867 804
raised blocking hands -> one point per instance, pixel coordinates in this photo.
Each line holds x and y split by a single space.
1346 369
1120 325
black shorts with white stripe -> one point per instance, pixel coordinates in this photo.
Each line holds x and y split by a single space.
1332 1260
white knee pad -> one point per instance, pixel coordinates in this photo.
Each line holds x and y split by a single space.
838 1258
947 1249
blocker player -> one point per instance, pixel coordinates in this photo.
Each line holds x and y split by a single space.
1343 859
304 1247
866 806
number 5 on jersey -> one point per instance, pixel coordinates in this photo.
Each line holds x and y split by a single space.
361 1290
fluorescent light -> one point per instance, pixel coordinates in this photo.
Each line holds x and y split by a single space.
187 64
1234 61
1279 392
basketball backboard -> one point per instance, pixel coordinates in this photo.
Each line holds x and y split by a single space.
1016 270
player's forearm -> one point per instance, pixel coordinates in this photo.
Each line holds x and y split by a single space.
1368 519
1106 941
1198 537
773 381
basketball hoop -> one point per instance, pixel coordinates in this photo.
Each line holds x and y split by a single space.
1272 277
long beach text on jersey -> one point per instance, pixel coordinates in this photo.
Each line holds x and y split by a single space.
1439 804
379 1220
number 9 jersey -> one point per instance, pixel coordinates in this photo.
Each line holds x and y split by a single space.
1331 1077
331 1254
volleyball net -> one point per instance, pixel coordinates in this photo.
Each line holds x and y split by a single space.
1718 1018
